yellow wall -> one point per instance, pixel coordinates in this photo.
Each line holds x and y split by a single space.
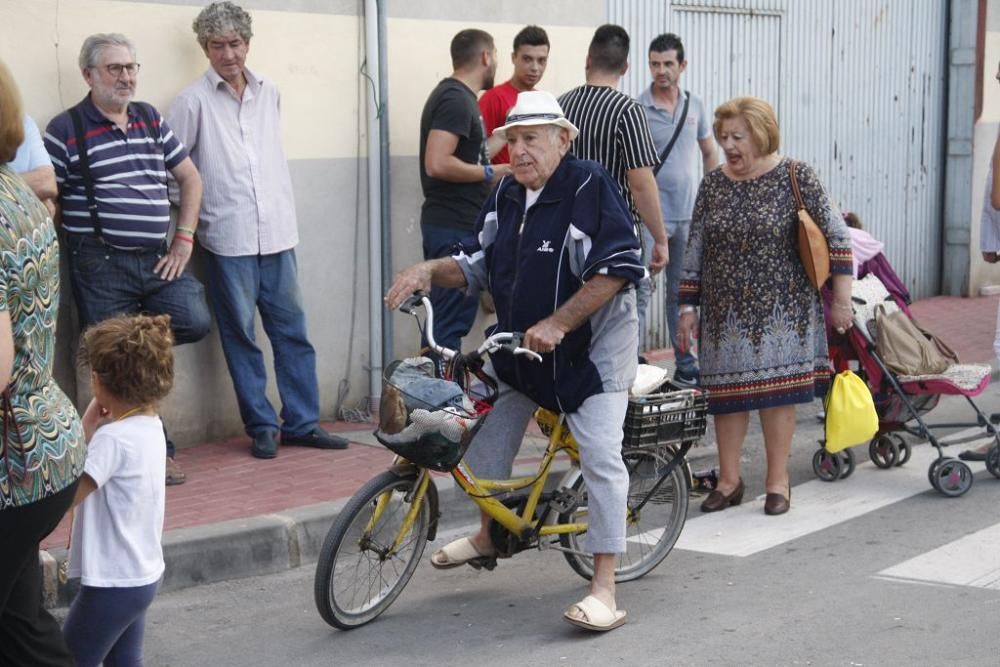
314 59
418 58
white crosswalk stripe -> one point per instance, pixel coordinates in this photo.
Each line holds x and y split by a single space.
973 560
970 560
745 530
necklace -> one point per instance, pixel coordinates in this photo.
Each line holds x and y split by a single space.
129 413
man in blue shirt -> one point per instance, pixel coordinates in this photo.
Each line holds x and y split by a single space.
32 163
679 176
556 247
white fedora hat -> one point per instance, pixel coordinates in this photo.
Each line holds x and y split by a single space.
536 107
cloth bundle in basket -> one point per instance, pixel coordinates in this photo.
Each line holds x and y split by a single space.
425 419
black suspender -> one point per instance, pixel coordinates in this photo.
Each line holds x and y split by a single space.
84 160
677 133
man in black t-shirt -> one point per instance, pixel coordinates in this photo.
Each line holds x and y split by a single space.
455 171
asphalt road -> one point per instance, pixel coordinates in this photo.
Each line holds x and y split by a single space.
877 569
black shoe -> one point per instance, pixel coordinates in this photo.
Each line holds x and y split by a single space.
265 445
317 438
972 455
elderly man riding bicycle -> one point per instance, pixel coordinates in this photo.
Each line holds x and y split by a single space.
556 247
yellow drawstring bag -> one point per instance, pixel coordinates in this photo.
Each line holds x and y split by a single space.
850 413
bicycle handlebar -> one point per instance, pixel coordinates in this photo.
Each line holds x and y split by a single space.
504 340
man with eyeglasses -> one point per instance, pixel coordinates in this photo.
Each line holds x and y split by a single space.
111 156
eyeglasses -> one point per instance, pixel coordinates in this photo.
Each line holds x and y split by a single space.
116 69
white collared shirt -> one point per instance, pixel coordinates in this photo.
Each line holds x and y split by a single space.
248 207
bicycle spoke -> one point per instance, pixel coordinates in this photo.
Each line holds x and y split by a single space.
652 529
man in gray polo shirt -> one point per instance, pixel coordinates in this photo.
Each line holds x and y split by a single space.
679 176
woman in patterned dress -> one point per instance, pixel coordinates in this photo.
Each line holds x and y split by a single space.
42 447
762 343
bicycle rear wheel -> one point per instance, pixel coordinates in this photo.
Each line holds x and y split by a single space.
652 529
356 576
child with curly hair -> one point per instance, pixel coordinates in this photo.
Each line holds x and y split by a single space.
115 547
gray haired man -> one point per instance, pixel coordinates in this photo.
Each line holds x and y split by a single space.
229 120
111 155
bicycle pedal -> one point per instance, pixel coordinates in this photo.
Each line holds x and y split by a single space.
564 501
488 563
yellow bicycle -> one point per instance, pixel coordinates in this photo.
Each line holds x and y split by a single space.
375 544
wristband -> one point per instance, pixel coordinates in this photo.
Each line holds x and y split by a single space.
487 173
188 230
686 309
182 237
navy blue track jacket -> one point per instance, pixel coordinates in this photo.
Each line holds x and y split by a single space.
534 261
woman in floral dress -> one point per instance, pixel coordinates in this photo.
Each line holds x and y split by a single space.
762 340
42 448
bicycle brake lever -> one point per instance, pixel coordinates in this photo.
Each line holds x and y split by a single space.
412 301
531 354
514 347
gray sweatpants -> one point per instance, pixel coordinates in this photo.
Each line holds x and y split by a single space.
597 427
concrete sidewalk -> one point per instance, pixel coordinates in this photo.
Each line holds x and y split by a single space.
239 516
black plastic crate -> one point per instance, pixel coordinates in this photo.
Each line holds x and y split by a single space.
671 415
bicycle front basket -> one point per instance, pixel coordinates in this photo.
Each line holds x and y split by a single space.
425 419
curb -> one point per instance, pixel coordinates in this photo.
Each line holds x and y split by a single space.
264 544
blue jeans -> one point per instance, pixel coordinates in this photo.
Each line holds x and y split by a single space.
677 230
108 282
106 625
240 286
454 311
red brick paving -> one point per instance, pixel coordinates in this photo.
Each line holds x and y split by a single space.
225 482
966 325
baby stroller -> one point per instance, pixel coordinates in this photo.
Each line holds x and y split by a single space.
901 401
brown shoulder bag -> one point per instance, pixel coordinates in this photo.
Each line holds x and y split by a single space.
813 249
906 348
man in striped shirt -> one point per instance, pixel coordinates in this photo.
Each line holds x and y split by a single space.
119 259
614 132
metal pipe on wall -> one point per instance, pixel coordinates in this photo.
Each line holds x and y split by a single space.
375 309
383 124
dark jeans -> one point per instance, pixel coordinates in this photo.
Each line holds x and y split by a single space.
106 625
454 311
108 282
239 287
29 635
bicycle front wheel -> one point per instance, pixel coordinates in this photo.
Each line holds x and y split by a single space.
655 515
360 573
